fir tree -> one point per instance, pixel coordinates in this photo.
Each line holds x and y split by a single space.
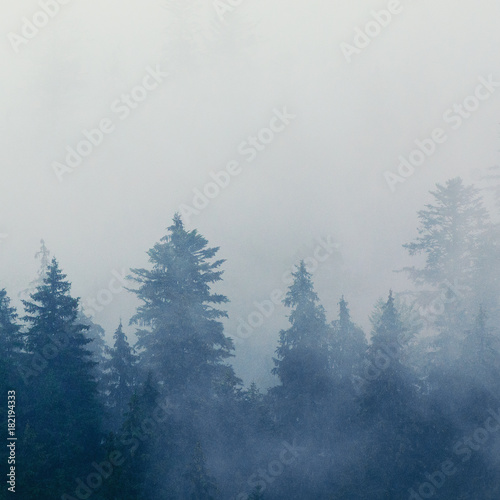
450 233
11 341
302 357
390 407
10 355
121 376
64 413
347 345
185 344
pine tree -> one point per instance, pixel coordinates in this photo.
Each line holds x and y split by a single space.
64 414
347 345
450 233
182 342
121 376
302 358
153 462
347 351
10 355
185 344
11 341
98 354
390 407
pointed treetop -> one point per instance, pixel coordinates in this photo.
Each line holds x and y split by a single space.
177 222
301 288
119 333
344 314
44 255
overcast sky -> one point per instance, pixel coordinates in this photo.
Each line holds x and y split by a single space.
203 79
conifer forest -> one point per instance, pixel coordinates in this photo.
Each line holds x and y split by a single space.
250 250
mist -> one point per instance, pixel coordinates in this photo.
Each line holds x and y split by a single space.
283 133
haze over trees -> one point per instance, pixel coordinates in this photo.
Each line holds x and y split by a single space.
409 409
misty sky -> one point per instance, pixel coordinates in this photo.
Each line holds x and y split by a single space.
219 81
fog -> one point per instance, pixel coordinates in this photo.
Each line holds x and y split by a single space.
339 121
323 175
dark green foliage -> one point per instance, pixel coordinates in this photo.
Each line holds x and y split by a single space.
62 419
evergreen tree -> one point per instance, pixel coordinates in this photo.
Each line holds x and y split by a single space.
390 408
11 341
302 358
347 351
152 443
10 355
182 341
98 354
185 344
121 376
64 414
450 233
347 346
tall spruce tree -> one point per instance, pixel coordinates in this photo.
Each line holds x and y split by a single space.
181 339
390 408
184 343
63 416
347 345
451 233
121 376
302 364
10 356
11 341
347 350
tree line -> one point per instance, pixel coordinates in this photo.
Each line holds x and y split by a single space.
409 411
